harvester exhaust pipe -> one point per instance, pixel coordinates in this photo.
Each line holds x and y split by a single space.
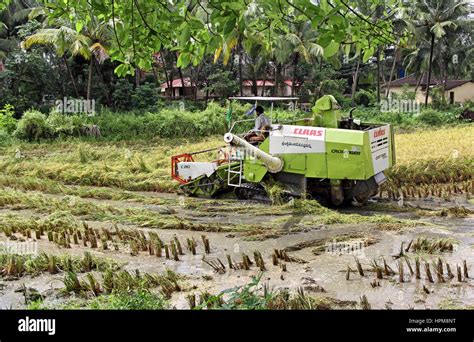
273 164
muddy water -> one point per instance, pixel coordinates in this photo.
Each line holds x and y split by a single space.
327 269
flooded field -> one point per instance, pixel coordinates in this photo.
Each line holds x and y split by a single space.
317 252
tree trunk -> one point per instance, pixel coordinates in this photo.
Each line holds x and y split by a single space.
108 93
180 73
137 77
264 79
155 75
168 83
171 76
445 71
278 79
419 82
193 80
295 71
89 79
355 79
72 76
241 82
392 70
183 86
254 84
275 80
429 70
378 75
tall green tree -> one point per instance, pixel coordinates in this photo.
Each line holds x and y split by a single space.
431 20
13 15
89 41
303 44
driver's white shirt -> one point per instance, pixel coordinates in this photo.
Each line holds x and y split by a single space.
261 121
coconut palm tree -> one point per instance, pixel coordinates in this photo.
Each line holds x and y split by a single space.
432 19
13 15
90 43
302 42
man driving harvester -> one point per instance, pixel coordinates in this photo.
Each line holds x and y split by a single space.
262 125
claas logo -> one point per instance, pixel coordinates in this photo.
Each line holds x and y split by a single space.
308 132
380 132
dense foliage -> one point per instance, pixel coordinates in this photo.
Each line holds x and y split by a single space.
120 53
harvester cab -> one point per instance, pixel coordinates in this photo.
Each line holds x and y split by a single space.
327 156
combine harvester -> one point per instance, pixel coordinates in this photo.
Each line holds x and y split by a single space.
326 157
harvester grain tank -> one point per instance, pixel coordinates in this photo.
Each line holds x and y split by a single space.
326 157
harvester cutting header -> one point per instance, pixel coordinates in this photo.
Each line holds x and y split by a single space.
325 157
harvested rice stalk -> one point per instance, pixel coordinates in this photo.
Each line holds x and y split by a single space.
409 265
400 271
93 241
246 262
458 268
466 275
151 249
417 268
283 255
428 272
364 303
229 261
374 283
174 251
427 291
158 247
134 249
259 260
377 269
387 269
439 274
104 244
448 269
429 245
191 301
359 267
207 247
178 245
275 259
218 266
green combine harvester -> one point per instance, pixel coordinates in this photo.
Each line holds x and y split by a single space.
326 157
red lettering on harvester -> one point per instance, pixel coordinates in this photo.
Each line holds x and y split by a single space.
378 133
308 132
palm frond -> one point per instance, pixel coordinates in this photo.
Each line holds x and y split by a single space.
293 39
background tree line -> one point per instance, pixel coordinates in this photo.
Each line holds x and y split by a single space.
120 52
